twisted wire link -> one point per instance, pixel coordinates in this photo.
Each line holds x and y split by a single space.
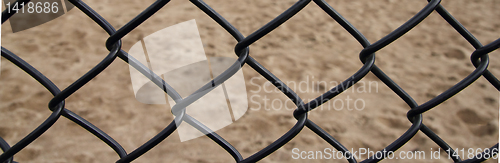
479 59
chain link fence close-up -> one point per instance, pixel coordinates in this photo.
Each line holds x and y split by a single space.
321 81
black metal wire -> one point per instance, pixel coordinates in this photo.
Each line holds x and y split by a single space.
479 58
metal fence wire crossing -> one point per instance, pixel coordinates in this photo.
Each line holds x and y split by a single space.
479 59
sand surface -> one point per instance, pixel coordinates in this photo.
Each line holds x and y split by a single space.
311 47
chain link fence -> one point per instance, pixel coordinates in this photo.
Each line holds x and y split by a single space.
479 59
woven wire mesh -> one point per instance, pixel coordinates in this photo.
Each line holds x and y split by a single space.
479 59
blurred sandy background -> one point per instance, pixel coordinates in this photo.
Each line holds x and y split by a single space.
311 47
